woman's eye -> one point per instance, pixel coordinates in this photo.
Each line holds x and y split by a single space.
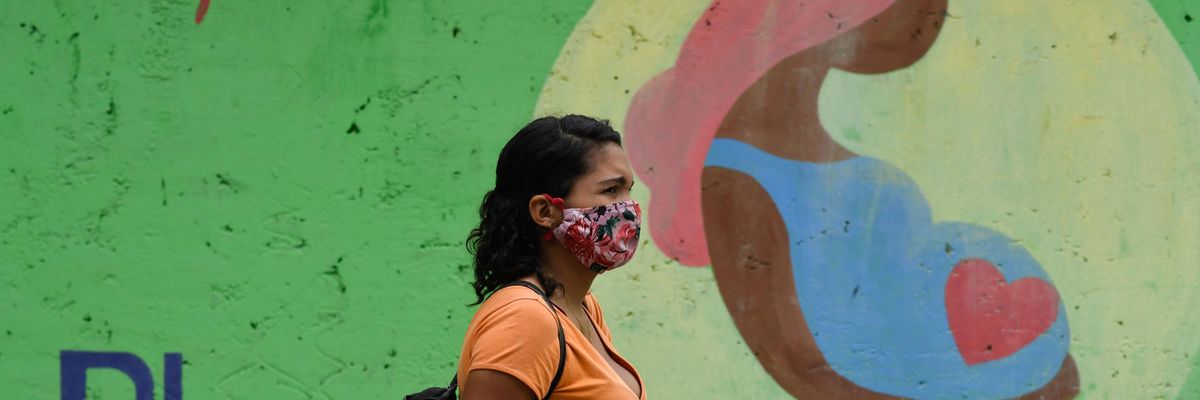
611 190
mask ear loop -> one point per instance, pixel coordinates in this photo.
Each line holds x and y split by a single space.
558 202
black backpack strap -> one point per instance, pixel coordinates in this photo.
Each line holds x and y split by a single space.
562 341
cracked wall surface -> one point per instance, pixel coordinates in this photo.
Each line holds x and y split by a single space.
279 192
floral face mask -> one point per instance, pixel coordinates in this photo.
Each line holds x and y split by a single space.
602 238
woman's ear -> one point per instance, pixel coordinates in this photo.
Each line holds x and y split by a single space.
543 212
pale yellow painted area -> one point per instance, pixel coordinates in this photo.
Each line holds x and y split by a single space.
1028 117
669 320
1074 128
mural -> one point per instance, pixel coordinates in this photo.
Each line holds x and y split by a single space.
868 236
844 199
888 302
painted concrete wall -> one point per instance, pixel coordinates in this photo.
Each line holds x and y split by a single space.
270 198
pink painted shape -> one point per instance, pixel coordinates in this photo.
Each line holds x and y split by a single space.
201 11
991 319
674 117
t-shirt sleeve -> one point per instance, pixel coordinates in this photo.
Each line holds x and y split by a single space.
519 339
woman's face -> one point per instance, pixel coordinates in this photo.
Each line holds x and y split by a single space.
609 180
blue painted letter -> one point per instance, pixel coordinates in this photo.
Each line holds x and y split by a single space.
74 365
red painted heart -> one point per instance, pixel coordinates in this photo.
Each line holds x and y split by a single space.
991 319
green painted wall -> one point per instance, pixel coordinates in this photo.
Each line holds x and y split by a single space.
1182 17
280 192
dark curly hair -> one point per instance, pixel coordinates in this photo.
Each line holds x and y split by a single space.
546 156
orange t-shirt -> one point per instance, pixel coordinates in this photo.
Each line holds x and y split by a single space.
514 332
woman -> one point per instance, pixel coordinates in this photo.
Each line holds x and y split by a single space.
829 262
559 216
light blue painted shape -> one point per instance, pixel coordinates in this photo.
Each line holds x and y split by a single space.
870 270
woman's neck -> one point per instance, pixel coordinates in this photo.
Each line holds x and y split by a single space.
576 280
779 114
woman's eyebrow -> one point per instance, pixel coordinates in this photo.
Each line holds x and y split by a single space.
618 180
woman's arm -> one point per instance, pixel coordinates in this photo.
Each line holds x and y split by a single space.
487 384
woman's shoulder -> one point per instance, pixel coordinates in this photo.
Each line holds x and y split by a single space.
513 332
508 294
514 305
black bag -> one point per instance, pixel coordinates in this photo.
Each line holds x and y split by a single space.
448 392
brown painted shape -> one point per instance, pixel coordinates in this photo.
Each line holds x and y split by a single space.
1065 385
747 238
778 113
